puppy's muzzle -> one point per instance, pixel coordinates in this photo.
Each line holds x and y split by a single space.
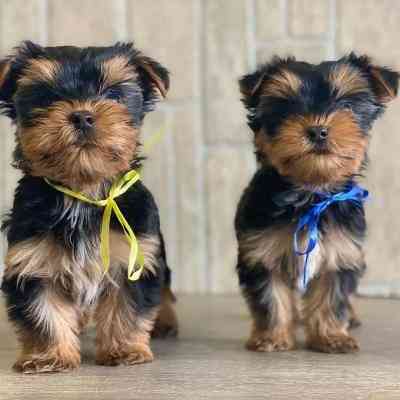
83 122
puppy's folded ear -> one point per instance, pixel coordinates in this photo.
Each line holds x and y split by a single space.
250 84
285 83
152 74
273 79
7 89
4 68
152 77
11 68
384 81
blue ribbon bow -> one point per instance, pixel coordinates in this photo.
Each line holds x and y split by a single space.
310 220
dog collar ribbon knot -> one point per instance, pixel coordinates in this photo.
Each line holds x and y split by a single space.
118 188
309 221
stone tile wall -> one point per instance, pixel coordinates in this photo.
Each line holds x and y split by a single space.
205 158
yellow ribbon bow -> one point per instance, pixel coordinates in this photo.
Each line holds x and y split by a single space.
118 188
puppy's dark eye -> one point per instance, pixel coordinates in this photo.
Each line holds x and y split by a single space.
346 105
113 93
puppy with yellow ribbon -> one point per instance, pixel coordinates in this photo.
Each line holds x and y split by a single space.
84 232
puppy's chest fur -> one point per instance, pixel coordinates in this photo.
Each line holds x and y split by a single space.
67 254
274 248
266 222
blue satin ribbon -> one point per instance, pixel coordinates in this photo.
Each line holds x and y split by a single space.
309 221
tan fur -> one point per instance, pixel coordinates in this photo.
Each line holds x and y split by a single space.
52 150
56 316
347 80
39 70
149 246
324 331
37 357
52 314
282 309
4 68
279 334
292 154
117 70
271 246
122 336
339 248
44 258
282 85
57 347
85 318
267 247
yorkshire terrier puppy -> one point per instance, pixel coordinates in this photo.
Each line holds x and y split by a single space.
300 223
78 114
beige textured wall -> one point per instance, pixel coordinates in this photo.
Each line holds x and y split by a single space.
205 158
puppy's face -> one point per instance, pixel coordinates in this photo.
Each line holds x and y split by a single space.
78 110
311 122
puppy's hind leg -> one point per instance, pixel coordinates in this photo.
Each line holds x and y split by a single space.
354 319
166 324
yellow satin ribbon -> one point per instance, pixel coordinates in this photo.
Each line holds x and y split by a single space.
118 188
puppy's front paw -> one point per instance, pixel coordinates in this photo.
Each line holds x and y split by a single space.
135 354
37 364
266 341
339 343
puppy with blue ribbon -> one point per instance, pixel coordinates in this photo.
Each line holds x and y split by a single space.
300 223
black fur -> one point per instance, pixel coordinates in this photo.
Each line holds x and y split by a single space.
18 300
316 95
284 202
255 284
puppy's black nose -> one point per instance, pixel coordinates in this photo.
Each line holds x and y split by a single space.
82 120
318 134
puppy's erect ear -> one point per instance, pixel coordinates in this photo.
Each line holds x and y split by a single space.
384 81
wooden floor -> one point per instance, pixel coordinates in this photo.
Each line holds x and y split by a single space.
209 362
